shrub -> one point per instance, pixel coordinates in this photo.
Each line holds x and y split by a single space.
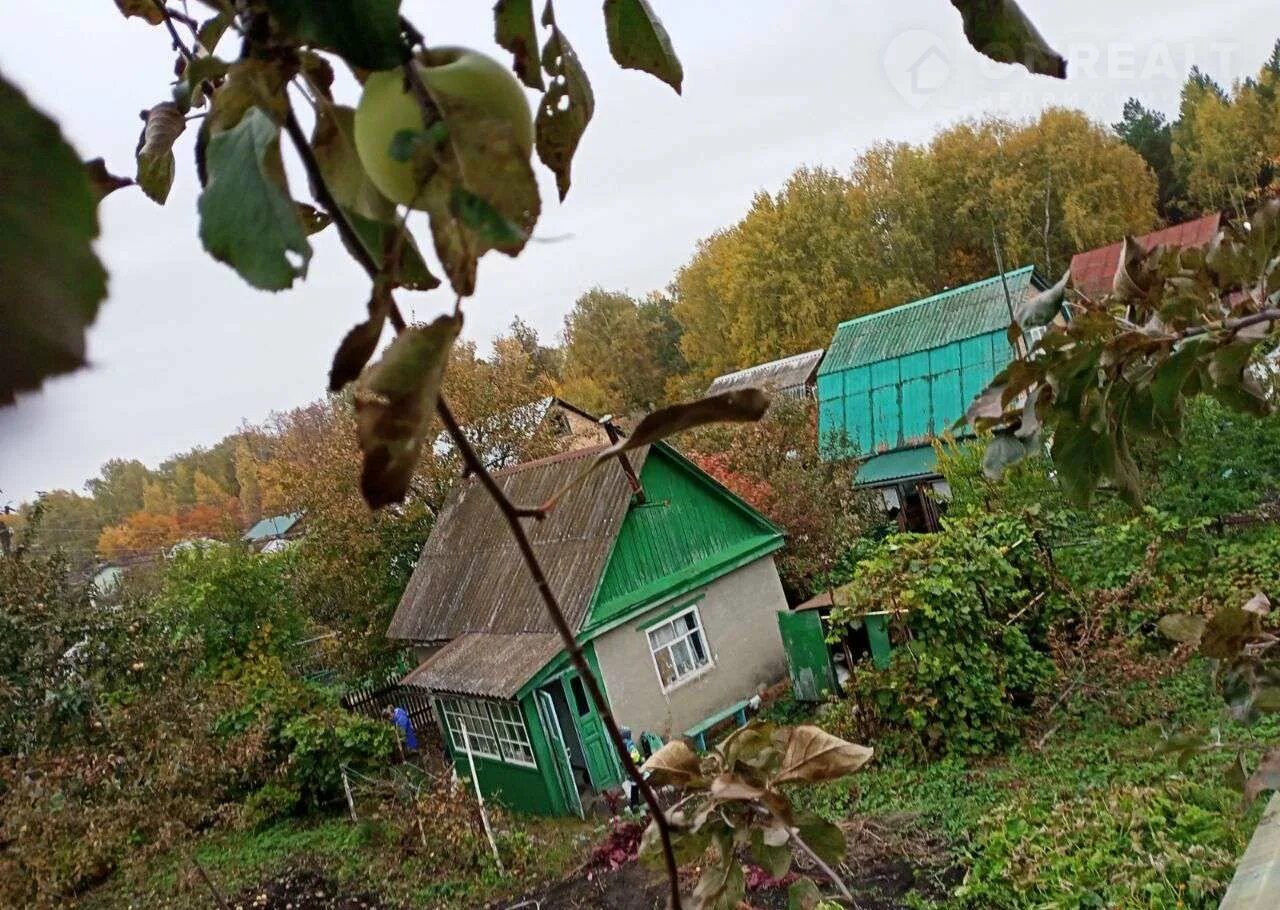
971 603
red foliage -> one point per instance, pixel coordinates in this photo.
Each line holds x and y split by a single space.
755 490
619 848
760 880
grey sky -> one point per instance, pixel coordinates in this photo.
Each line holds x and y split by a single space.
183 351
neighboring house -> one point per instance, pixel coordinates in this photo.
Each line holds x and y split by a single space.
1093 271
275 533
497 440
672 590
893 381
790 377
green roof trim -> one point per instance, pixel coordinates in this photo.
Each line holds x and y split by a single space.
917 462
932 322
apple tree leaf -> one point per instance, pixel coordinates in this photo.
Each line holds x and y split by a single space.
162 125
675 763
395 404
54 283
145 10
813 755
567 106
333 143
822 837
103 182
1043 307
212 30
638 41
365 33
247 218
358 345
803 895
1001 30
514 30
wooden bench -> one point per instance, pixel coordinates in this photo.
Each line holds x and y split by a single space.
699 733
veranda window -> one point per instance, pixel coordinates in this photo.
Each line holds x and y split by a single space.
679 648
496 729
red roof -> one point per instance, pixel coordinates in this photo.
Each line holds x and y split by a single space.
1093 271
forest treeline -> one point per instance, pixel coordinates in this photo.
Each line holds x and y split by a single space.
904 221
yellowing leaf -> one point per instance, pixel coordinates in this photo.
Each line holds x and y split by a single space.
514 31
638 41
163 125
733 787
395 403
358 345
53 282
675 763
103 182
567 106
813 754
335 151
247 218
1001 30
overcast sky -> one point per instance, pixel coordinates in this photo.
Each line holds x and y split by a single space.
183 351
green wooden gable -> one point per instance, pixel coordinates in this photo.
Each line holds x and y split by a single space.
689 531
902 376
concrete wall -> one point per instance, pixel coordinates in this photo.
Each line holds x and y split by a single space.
739 616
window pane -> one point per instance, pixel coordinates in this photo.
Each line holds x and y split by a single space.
699 651
683 657
663 635
580 697
666 671
690 621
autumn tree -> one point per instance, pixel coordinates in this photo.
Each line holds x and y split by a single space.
775 466
61 520
619 352
907 221
117 489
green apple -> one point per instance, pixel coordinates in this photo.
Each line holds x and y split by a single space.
458 80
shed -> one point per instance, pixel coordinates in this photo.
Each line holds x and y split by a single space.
674 597
276 527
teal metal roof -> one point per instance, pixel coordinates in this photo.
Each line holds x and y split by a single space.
275 526
944 318
917 462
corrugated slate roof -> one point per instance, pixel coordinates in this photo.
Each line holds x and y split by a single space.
953 315
916 462
777 374
1093 271
486 664
470 576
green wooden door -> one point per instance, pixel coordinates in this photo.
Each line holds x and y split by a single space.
602 764
808 662
559 753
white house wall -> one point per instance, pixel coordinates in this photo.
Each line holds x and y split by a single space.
739 618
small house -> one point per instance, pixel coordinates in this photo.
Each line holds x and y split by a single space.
274 533
895 380
790 377
665 577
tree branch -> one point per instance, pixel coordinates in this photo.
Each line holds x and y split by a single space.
512 515
826 870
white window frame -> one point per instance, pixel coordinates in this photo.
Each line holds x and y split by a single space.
501 725
512 735
701 631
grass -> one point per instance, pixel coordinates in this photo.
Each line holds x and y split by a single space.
1100 817
365 855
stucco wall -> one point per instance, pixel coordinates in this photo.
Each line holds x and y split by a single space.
739 616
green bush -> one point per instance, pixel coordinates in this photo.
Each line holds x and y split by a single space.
270 803
971 603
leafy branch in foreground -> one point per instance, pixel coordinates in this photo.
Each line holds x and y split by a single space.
734 799
1178 323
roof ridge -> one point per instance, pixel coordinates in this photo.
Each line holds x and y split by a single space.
933 297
